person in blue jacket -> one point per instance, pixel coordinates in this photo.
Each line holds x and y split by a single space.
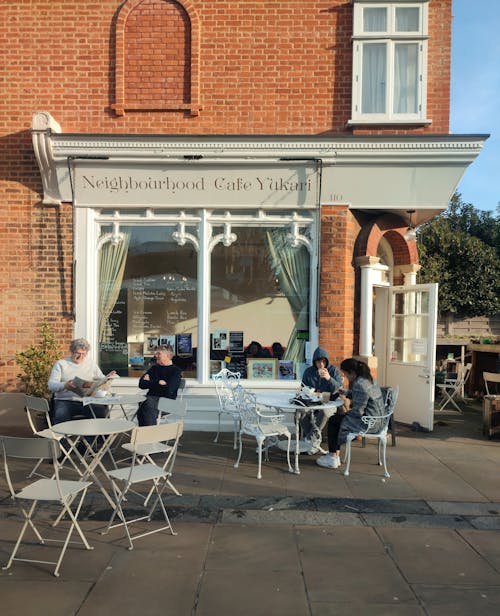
322 377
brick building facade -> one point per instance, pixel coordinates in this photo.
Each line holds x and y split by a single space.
94 91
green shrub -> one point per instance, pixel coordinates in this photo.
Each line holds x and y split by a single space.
36 363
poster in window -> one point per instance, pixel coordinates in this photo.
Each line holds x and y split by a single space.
167 341
285 369
220 340
236 342
184 345
262 368
151 344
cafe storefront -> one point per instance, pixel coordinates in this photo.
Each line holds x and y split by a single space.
211 243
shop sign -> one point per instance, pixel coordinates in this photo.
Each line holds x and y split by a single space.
258 185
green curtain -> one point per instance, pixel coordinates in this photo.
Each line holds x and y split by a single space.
291 267
112 258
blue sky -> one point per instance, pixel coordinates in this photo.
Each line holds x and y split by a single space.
475 94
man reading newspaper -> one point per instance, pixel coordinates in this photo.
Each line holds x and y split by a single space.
68 379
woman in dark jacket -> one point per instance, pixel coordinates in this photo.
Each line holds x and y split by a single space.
366 399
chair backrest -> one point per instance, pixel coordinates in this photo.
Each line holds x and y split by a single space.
157 434
173 407
246 403
28 449
180 391
37 411
226 383
491 377
390 398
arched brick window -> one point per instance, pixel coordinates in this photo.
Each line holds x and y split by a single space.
157 57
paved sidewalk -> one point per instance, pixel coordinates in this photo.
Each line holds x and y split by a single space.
424 541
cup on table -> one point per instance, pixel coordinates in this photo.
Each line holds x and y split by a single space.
325 396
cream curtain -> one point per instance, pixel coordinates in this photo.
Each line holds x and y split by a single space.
291 267
112 258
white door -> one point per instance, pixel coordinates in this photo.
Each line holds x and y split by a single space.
411 351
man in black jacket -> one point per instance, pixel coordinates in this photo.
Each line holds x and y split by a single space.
162 380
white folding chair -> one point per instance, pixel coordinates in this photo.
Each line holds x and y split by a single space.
226 383
38 412
181 390
260 425
145 451
123 479
489 378
375 428
171 410
43 490
452 388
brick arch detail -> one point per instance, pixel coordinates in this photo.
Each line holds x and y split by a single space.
391 228
121 104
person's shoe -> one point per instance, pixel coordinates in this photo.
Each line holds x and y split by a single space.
328 461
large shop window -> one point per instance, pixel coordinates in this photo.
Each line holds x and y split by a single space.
389 62
259 291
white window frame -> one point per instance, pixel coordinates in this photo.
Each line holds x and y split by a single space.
390 38
200 227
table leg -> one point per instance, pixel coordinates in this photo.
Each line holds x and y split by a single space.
298 415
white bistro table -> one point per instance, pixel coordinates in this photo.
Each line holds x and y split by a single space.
84 431
281 401
108 401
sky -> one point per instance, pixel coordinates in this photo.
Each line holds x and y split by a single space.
475 94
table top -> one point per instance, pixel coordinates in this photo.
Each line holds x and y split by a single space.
282 399
93 427
105 400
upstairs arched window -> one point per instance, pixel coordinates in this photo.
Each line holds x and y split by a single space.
157 57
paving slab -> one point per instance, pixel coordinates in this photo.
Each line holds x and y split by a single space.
437 556
456 601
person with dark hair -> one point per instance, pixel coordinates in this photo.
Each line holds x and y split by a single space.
278 350
366 399
162 380
255 349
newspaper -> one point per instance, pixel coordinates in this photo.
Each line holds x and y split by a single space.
88 388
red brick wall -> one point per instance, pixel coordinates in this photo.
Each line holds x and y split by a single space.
339 230
266 67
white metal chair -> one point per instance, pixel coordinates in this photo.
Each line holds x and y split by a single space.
226 383
375 428
38 412
43 490
260 425
453 388
123 479
171 410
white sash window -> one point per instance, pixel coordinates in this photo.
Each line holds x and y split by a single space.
389 62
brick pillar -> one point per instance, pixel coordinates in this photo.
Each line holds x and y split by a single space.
339 231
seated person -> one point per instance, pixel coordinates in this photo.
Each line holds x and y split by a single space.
366 399
278 350
322 377
60 383
162 380
255 349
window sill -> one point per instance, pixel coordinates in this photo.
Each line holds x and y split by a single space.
382 122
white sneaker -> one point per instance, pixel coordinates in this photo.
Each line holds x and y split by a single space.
328 461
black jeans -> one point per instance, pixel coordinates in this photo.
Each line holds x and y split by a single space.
334 425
